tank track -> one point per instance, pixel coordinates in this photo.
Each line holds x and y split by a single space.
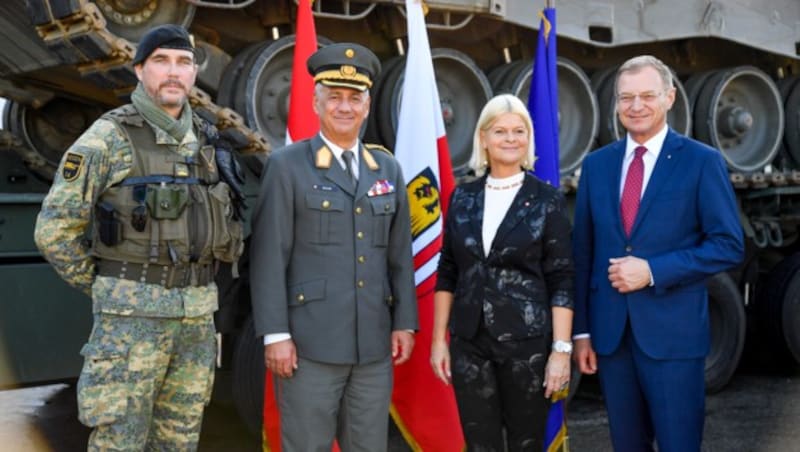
76 31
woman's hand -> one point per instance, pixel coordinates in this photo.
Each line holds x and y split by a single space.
440 360
556 373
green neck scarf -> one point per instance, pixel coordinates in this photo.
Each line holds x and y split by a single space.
177 128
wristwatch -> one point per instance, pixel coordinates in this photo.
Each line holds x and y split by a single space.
562 347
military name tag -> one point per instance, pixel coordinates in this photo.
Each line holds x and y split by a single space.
73 163
323 187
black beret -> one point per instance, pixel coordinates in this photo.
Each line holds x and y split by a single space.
167 36
344 64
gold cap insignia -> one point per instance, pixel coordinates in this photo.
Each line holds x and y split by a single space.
349 53
347 70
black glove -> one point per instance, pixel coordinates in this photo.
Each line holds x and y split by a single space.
231 173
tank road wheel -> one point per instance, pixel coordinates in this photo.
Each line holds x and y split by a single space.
227 97
372 134
463 91
498 75
791 137
131 19
728 323
49 130
248 377
229 83
262 94
740 112
778 308
575 101
602 83
611 129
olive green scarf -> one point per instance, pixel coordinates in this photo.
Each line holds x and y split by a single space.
177 128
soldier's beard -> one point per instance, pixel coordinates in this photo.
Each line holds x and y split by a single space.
165 101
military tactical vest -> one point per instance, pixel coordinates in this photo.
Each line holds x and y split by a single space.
171 210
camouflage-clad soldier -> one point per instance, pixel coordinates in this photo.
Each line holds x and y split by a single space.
139 214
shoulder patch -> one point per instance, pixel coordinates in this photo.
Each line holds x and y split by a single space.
377 147
73 165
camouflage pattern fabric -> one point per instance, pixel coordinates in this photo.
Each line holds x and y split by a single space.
148 366
145 381
100 158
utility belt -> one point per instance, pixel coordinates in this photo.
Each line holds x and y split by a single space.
169 276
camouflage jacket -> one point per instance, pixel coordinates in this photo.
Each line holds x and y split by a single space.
100 158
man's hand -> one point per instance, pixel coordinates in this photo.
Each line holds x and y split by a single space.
628 273
402 344
281 358
440 360
584 355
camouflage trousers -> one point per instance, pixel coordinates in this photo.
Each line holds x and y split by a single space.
145 382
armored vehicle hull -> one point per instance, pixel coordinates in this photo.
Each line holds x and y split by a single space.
64 62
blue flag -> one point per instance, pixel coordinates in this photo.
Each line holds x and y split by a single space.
543 100
555 435
543 106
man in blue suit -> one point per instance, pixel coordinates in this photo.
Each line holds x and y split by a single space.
655 216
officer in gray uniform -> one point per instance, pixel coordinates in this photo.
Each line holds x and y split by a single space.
148 188
333 278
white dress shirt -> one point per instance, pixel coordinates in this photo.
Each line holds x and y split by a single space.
649 158
496 202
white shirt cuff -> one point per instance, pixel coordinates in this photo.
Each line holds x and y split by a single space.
276 337
581 336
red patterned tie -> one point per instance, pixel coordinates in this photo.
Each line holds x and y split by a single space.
632 192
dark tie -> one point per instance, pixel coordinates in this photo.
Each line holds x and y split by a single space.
348 157
632 191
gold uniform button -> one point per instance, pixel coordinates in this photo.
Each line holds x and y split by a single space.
358 210
360 235
361 283
301 298
362 259
326 204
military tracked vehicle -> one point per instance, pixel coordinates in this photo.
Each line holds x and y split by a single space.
63 62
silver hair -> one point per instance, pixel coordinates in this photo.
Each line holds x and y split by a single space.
640 62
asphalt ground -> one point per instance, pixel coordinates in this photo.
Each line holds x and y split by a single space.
757 411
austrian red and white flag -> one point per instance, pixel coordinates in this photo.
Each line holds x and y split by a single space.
302 122
422 406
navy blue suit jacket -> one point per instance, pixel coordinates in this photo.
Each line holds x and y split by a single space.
687 228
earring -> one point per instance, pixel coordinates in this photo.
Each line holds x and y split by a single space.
485 163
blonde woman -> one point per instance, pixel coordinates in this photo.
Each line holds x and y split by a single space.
504 288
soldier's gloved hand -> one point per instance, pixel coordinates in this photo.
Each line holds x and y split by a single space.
232 174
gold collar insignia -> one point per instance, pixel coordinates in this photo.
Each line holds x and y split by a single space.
324 157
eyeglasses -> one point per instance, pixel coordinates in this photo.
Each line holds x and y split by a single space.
647 97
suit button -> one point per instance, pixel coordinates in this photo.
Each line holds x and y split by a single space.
360 283
360 235
326 204
359 210
628 249
361 259
387 207
301 298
